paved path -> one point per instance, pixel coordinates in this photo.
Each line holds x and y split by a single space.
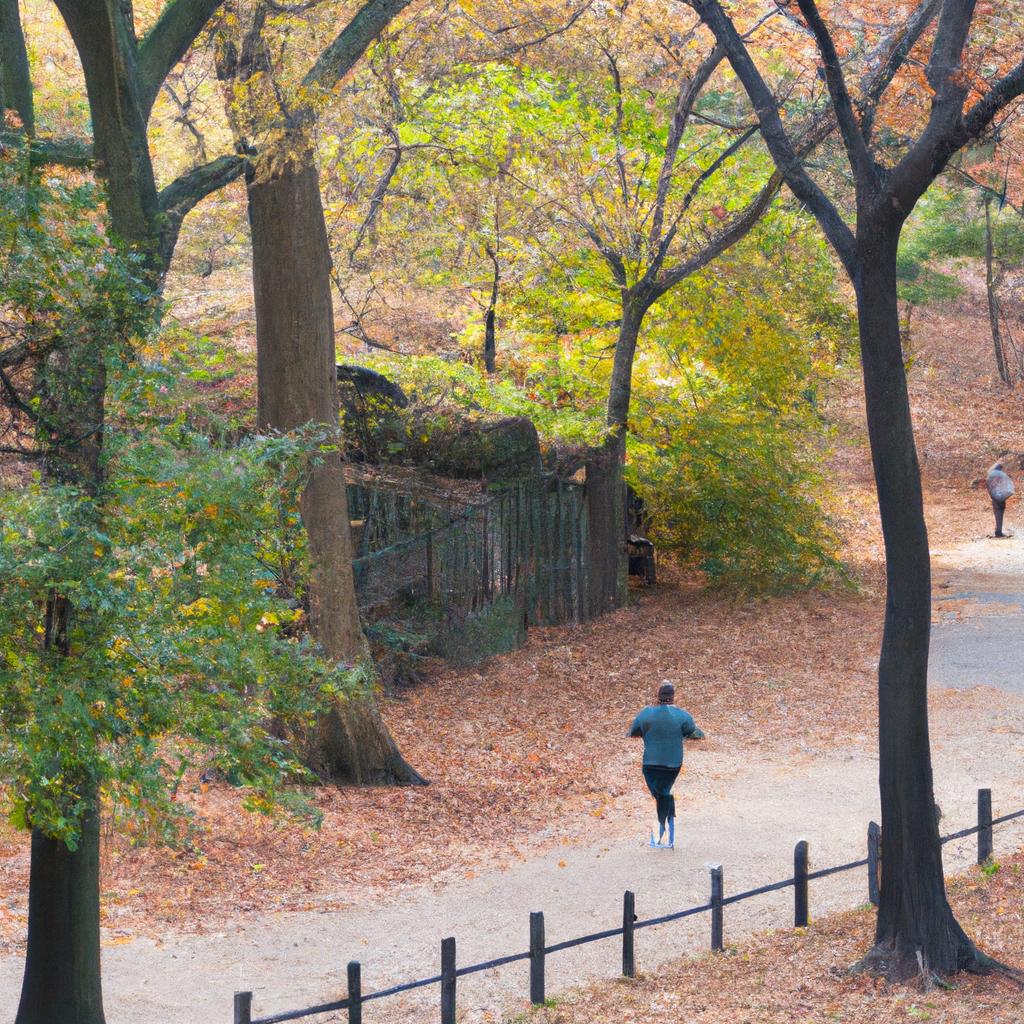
744 816
978 637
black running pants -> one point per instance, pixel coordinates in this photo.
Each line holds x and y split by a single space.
659 781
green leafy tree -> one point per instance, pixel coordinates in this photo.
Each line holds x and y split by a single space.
140 616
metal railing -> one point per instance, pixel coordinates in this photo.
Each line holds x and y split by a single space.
538 951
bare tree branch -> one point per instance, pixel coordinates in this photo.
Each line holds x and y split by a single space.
856 147
689 90
352 42
64 152
190 188
774 133
739 227
898 46
167 42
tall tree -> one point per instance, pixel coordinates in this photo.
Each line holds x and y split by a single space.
916 928
650 165
295 352
649 210
123 75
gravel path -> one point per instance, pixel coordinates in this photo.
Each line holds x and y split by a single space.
745 816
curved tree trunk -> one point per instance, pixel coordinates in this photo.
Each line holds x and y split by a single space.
104 39
296 382
606 488
914 916
62 964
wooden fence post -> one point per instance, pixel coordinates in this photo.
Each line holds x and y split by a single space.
537 958
800 898
448 981
717 895
355 993
628 929
873 860
984 825
243 1007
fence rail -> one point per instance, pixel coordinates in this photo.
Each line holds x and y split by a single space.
538 950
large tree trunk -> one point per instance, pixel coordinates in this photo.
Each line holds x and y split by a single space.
296 381
62 965
914 917
605 496
105 43
15 80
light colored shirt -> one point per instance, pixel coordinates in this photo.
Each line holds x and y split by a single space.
999 484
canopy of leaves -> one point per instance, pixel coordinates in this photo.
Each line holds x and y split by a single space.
725 442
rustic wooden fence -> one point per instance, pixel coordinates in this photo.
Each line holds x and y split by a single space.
538 951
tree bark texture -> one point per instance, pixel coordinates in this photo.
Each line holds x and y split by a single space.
15 80
296 377
606 488
913 916
62 964
104 39
490 346
296 385
490 316
605 497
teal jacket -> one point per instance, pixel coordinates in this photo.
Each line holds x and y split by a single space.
663 727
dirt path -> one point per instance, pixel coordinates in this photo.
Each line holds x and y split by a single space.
744 814
978 636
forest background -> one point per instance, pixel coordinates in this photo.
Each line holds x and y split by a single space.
484 184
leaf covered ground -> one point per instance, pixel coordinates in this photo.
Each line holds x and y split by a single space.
521 753
527 750
803 976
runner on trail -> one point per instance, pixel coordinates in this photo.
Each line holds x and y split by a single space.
663 728
1000 488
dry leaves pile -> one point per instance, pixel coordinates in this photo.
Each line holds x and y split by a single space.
802 977
522 752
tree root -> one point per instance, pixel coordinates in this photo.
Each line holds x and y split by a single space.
904 965
981 963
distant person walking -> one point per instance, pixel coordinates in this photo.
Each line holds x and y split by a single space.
663 728
1000 489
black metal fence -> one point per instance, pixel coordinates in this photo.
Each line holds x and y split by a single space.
470 570
538 951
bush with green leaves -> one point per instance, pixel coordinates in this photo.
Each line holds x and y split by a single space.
184 651
184 644
726 441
